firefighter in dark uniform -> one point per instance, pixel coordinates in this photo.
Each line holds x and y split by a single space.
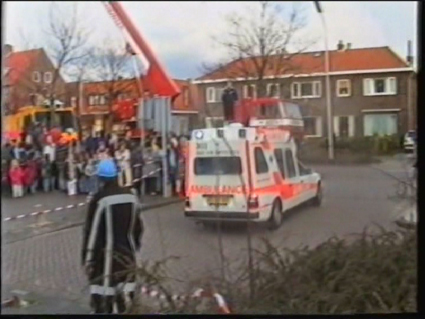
112 235
229 99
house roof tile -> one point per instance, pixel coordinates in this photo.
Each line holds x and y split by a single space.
364 59
18 64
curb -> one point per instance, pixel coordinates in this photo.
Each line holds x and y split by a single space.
76 224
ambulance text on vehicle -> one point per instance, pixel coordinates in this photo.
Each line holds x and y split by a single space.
241 173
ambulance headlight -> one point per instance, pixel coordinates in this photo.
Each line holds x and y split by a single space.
199 135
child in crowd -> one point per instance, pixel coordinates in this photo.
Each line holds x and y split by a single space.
47 174
16 174
31 174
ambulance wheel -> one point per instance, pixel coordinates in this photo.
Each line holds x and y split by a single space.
276 217
317 200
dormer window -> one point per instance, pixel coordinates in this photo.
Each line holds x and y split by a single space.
36 76
47 77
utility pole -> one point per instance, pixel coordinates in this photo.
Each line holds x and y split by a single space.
328 84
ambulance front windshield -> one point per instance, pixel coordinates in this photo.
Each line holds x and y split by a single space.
229 165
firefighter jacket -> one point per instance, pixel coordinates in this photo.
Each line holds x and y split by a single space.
112 235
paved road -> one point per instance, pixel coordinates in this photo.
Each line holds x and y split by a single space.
48 265
71 213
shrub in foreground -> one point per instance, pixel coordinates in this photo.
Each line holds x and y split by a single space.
372 273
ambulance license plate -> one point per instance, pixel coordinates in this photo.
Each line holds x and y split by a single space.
218 200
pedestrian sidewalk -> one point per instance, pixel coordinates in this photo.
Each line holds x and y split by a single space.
42 303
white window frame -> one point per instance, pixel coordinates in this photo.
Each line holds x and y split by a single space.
73 101
338 87
49 78
390 86
319 126
269 87
210 93
351 125
245 91
317 90
102 99
36 77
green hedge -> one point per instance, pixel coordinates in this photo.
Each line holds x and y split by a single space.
375 145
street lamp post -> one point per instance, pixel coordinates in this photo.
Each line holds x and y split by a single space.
328 84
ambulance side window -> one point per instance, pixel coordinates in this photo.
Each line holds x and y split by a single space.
261 166
279 160
290 165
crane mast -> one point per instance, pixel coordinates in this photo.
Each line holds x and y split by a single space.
158 82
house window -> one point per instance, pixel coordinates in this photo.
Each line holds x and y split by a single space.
306 89
249 91
313 126
211 122
94 100
344 126
380 124
36 76
211 96
73 101
47 77
343 88
102 100
261 166
273 90
380 86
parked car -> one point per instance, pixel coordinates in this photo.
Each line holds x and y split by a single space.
409 143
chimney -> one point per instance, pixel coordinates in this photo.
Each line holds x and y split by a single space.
340 45
348 46
409 57
7 49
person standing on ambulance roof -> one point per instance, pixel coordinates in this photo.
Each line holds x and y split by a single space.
229 99
112 235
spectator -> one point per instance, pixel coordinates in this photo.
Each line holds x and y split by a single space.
16 174
90 171
47 174
137 163
173 164
31 175
61 157
81 176
123 157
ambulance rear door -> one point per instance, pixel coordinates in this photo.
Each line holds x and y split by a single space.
218 176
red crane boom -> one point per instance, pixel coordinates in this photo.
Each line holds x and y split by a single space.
157 81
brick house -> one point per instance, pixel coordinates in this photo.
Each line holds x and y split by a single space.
95 107
27 78
372 90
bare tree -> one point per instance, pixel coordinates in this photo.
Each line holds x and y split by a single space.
67 45
113 70
258 41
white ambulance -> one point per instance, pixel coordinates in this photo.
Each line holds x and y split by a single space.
238 173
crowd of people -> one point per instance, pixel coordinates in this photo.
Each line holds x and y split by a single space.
42 163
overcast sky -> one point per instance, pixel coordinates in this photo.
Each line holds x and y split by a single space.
180 32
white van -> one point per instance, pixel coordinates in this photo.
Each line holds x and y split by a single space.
237 173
